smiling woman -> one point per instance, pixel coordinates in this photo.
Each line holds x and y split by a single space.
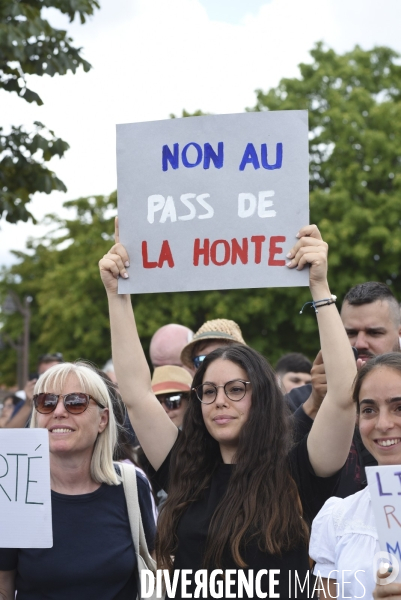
379 390
90 434
344 536
89 509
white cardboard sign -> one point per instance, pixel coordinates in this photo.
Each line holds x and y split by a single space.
385 492
212 202
25 500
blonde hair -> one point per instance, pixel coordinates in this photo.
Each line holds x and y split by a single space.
53 380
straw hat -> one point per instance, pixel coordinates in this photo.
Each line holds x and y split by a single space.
218 329
168 379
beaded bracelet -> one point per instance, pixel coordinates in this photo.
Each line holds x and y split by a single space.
318 303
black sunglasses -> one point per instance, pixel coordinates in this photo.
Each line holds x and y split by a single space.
74 403
172 401
198 360
49 357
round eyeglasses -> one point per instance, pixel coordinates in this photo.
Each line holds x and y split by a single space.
234 390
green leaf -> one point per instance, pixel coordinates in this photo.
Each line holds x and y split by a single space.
22 175
29 45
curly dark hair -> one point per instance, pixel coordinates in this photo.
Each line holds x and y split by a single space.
262 499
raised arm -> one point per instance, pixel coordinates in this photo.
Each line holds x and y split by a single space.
330 438
155 431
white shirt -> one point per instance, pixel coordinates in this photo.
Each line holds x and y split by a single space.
344 542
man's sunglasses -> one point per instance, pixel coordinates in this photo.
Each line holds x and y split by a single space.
48 357
198 360
172 401
74 403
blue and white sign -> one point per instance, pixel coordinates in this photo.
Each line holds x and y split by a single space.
212 202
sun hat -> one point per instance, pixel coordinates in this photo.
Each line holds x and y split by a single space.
218 329
168 379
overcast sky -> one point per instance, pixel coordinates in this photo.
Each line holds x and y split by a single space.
151 58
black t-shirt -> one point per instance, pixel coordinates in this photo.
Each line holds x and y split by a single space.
193 528
93 555
353 476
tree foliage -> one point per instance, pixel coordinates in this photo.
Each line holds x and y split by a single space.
354 104
23 168
29 45
60 273
185 113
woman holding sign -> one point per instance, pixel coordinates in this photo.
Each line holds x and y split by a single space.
240 497
344 540
93 555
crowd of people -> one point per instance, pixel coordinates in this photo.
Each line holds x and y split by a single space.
254 472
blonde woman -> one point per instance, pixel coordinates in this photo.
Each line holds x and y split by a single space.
93 554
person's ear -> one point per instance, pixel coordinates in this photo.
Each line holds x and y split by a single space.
104 419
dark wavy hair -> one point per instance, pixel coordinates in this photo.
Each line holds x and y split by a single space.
262 499
123 449
391 360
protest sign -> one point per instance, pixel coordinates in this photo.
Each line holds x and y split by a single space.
212 202
385 492
25 504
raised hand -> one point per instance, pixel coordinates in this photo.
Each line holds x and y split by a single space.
155 430
114 264
310 250
319 380
319 387
331 435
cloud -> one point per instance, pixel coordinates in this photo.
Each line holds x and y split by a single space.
151 58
